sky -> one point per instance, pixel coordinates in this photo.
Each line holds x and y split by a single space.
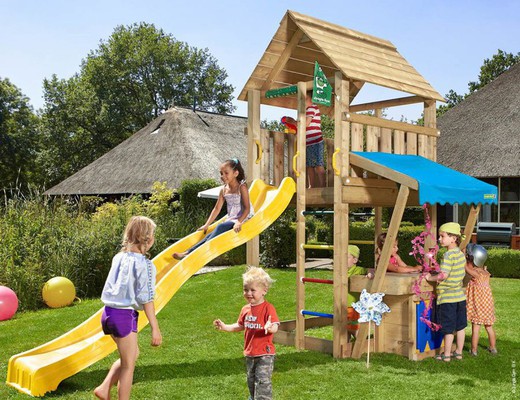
446 41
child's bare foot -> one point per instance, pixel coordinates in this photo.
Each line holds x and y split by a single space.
179 256
101 394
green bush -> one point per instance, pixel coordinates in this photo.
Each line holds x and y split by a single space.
193 207
503 263
278 242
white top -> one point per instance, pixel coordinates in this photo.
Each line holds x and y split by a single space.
130 282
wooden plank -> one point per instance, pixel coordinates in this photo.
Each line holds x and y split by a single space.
265 141
377 283
470 224
303 66
338 30
394 284
383 171
412 328
284 337
305 53
401 101
364 61
386 140
341 219
354 56
430 121
399 146
318 344
358 196
329 145
356 145
278 157
372 138
301 186
411 143
386 123
422 142
310 322
253 129
291 151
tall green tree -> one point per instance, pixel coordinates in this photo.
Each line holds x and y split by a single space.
130 79
490 69
18 138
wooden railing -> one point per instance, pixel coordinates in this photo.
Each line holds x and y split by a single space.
367 133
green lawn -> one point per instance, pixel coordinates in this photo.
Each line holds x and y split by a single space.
197 362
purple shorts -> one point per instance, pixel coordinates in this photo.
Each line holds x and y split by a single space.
119 322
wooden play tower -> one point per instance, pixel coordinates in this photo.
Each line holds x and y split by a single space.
350 60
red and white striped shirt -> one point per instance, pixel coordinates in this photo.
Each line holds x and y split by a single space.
313 132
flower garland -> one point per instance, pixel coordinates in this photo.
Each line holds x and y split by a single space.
428 260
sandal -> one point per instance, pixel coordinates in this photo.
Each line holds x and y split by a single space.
473 353
492 351
442 357
457 356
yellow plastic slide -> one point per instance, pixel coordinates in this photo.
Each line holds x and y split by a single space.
40 370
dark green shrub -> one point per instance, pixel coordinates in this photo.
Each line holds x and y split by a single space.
415 215
89 204
192 205
503 263
278 242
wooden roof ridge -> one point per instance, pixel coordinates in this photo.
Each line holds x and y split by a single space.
300 40
297 17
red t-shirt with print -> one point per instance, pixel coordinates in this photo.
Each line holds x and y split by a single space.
253 319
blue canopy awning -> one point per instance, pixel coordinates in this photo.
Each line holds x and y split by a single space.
435 182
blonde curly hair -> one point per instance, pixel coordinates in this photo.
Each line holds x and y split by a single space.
257 275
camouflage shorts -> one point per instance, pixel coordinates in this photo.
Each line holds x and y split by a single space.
259 372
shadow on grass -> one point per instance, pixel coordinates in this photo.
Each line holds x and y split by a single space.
484 367
85 381
492 368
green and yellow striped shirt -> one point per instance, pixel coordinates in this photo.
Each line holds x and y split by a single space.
450 289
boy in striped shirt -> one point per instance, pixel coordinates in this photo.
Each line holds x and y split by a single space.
314 142
451 298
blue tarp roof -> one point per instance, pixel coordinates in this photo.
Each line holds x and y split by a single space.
437 183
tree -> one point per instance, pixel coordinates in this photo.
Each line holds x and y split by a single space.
18 138
130 79
490 69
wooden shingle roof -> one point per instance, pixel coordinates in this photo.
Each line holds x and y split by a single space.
301 40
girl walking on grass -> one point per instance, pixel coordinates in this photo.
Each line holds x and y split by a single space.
480 304
236 196
130 286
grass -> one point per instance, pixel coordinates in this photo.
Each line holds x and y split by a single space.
197 362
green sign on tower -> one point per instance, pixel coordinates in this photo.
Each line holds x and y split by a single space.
322 90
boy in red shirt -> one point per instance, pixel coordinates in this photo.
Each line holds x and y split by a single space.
259 321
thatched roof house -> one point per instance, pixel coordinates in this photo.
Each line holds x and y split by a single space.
481 136
180 144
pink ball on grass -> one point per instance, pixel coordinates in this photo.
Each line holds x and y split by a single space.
8 303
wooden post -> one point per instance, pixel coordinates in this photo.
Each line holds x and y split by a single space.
376 284
253 169
470 224
291 151
278 157
341 229
301 187
430 121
